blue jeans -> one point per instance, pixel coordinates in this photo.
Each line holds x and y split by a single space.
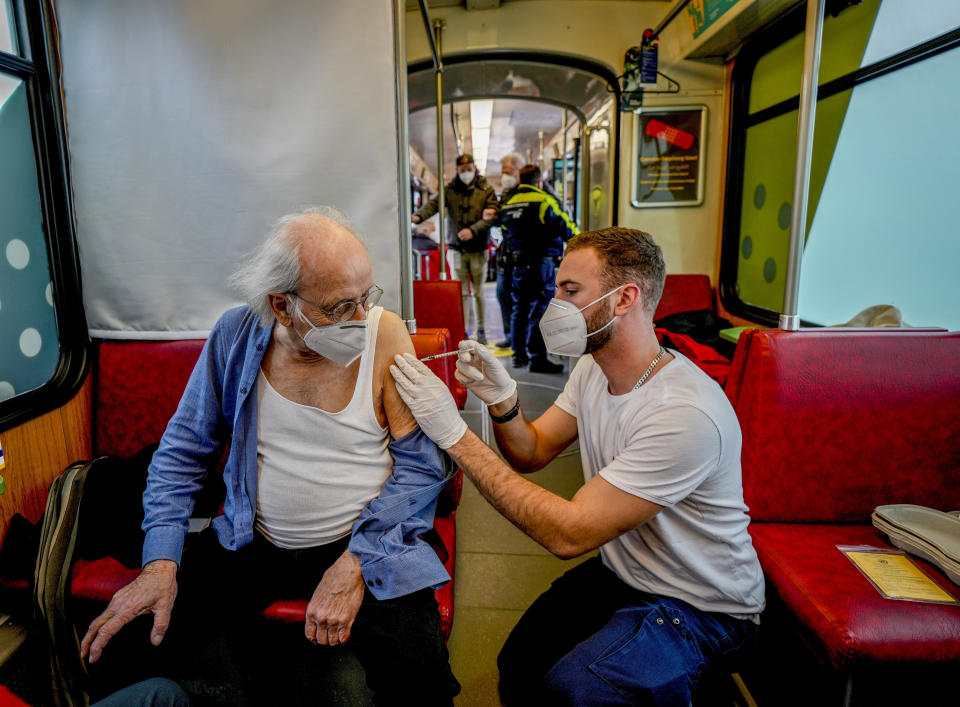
532 289
593 640
156 692
504 296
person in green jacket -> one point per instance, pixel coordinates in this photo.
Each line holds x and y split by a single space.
472 207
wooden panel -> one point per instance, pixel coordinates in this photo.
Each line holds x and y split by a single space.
37 451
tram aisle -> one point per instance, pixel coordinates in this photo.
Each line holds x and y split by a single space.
500 571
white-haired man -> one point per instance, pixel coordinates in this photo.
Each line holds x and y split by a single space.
297 384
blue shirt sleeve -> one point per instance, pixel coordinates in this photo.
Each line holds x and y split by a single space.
393 559
189 445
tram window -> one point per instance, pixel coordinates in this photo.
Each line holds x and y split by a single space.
881 188
29 348
8 35
42 328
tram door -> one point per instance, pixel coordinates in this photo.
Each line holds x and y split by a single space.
599 197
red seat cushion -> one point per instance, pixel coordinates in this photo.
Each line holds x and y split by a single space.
838 422
138 388
684 293
439 304
847 616
704 357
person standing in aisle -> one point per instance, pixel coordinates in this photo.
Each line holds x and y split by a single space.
472 206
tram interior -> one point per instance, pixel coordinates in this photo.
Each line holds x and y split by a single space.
809 239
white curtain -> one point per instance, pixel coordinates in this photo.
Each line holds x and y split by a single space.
193 125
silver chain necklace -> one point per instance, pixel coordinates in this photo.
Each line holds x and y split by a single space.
653 364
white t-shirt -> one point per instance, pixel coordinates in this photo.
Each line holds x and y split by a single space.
675 442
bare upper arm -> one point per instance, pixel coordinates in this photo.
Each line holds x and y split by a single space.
392 339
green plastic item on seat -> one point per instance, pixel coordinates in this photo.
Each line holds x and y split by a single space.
733 333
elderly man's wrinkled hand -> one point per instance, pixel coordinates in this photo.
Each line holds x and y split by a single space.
152 592
429 400
335 602
482 374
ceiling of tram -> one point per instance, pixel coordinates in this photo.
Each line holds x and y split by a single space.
528 98
515 126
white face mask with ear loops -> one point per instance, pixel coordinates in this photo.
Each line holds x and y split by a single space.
564 327
343 342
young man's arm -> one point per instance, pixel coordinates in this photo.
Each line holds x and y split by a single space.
598 512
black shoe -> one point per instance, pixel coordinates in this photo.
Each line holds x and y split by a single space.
481 337
505 344
520 361
542 365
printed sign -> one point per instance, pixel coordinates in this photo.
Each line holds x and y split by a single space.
668 157
703 13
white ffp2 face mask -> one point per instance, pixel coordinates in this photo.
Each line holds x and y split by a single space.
564 327
343 342
466 177
508 181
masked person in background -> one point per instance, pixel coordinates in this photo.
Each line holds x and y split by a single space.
321 446
472 204
677 584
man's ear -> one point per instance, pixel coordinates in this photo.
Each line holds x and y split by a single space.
629 298
281 307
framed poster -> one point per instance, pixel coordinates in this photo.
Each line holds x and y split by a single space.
668 156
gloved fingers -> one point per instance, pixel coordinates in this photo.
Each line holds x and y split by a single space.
487 356
404 384
417 368
470 373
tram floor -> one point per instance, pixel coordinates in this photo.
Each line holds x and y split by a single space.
500 571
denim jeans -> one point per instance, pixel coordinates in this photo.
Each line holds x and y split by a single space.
504 296
593 640
532 289
156 692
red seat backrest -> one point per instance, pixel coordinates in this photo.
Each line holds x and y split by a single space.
836 422
429 342
138 385
439 303
684 293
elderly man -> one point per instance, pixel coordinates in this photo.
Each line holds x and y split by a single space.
322 454
677 585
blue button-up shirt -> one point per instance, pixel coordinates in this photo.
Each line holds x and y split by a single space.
219 407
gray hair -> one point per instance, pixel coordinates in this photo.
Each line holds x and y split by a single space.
513 159
274 266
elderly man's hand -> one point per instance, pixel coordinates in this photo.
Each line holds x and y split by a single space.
464 234
335 602
152 592
429 400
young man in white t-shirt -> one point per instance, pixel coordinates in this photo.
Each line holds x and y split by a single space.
677 585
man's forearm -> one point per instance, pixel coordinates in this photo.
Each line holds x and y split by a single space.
547 518
516 438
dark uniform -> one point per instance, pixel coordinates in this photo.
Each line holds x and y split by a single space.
535 229
505 275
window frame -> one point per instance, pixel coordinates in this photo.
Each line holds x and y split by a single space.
35 67
741 120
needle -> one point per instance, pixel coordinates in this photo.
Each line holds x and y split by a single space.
442 355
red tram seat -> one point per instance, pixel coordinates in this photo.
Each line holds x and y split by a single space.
684 293
137 386
438 303
835 423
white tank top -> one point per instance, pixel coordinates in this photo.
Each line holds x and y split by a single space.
317 470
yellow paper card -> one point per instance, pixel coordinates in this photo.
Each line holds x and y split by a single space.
897 577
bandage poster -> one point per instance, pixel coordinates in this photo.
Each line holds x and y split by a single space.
668 156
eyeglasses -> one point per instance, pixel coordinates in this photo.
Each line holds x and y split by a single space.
347 308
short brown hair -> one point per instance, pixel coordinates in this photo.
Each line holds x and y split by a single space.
629 256
529 174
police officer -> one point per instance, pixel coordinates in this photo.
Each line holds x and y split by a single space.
535 229
472 205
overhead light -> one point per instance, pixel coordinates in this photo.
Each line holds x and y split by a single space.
481 114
